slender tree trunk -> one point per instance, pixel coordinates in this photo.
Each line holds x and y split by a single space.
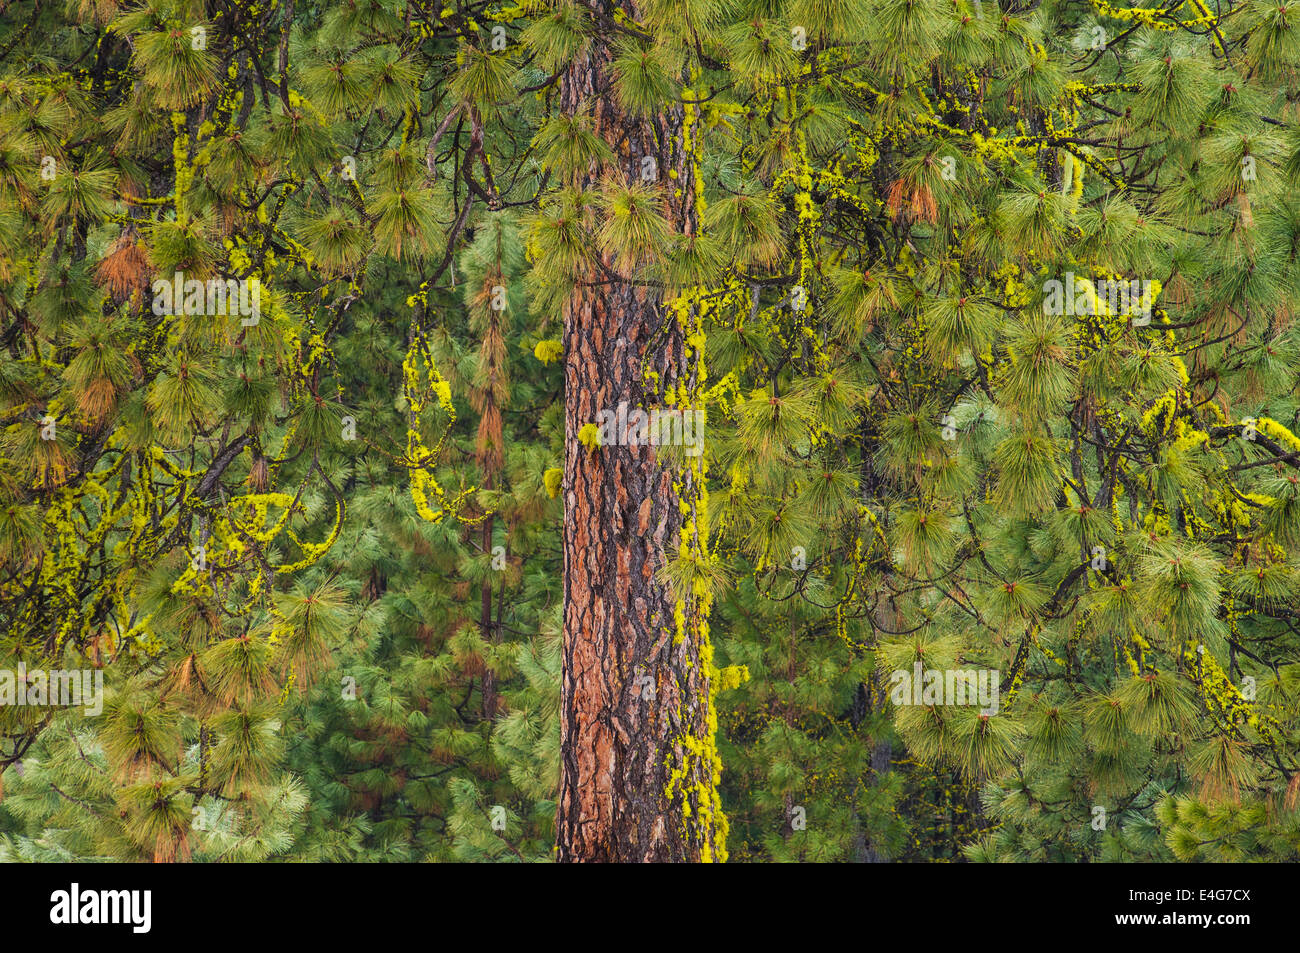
486 629
489 449
638 776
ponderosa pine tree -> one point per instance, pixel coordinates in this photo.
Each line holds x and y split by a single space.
639 770
987 307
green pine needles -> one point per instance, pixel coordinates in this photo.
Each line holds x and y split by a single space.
316 553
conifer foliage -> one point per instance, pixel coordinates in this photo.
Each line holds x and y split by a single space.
649 430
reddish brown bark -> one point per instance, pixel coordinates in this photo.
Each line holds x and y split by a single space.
490 453
633 693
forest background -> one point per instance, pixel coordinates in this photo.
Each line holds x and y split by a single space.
317 550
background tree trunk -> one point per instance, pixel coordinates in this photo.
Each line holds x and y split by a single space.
635 695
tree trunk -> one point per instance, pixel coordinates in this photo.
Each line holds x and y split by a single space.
639 770
487 630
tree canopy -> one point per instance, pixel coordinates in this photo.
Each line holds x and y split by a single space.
986 307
